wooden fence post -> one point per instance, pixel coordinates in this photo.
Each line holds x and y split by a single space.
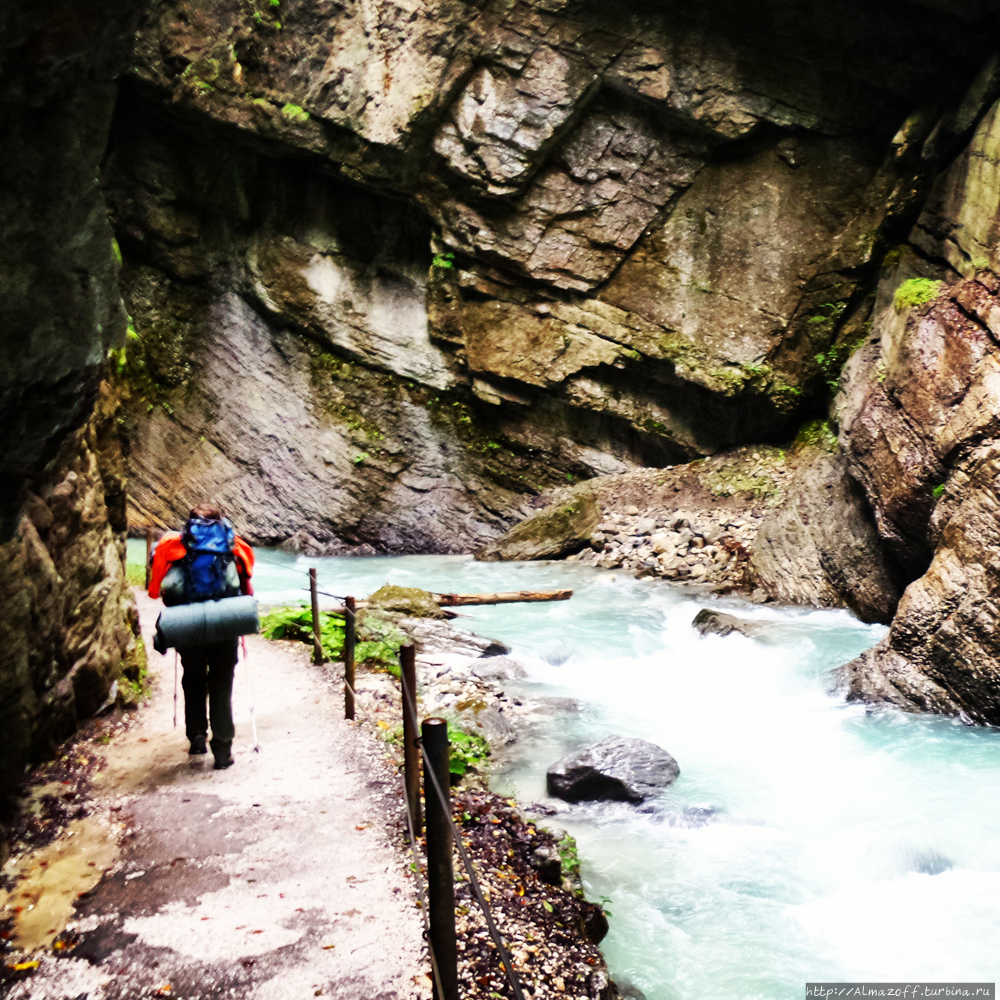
440 876
317 634
349 637
149 554
411 746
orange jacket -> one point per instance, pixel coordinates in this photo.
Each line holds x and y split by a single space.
170 549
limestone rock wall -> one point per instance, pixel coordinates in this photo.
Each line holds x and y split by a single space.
606 238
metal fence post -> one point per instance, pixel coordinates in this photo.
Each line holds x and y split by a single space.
411 749
317 635
349 636
440 877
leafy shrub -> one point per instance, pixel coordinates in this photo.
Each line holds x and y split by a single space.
468 750
377 641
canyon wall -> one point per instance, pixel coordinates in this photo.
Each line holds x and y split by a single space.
67 621
395 270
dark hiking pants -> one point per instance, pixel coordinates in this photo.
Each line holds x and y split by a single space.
208 676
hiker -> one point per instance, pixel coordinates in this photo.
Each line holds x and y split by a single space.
204 562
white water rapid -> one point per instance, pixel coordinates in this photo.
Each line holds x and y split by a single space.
806 838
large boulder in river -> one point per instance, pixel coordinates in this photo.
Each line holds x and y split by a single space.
559 530
617 769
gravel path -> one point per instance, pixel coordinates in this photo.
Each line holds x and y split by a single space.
272 880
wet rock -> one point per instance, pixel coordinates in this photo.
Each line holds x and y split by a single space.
814 543
498 668
547 862
68 627
619 769
627 991
709 622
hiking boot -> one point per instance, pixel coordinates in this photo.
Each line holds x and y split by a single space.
198 746
223 759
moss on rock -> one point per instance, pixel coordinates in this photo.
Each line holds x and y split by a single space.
410 601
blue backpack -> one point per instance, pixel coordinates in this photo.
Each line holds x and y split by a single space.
209 567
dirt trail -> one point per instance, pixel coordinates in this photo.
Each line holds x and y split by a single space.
272 880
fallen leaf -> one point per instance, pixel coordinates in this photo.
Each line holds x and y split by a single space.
257 932
164 991
24 966
327 947
547 905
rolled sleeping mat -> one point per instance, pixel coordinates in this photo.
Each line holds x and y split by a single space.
206 621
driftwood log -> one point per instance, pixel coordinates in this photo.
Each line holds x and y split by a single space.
465 600
512 597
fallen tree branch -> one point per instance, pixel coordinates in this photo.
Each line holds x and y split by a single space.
513 597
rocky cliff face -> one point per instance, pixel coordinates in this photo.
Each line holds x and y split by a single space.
395 269
919 413
66 619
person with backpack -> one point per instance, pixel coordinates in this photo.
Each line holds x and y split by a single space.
205 561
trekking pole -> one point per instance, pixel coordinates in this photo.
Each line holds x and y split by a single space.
253 718
176 654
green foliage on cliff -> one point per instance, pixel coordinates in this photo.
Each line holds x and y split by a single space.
916 292
757 481
294 112
817 433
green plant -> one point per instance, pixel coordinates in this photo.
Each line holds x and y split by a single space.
443 260
378 641
135 574
570 855
939 491
819 433
361 457
296 623
132 692
294 112
916 292
468 750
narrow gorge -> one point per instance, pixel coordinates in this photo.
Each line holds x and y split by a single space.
700 293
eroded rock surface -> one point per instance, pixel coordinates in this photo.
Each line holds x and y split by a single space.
68 627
